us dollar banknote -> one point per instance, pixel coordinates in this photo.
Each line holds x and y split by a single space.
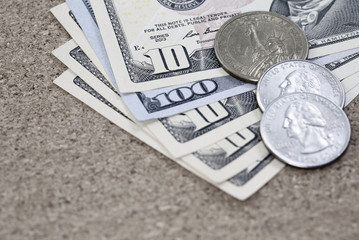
241 186
216 162
83 14
330 25
162 49
342 64
68 20
350 82
74 58
185 132
249 180
344 68
198 94
168 42
335 56
164 101
227 157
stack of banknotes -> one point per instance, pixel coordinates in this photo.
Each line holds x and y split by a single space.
150 68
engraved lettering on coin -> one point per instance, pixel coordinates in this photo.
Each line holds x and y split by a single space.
181 5
250 43
295 76
305 130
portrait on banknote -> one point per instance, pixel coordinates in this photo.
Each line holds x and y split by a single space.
324 21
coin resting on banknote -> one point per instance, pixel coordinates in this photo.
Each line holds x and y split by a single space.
305 130
248 44
303 122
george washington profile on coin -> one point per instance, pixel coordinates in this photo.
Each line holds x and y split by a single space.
305 130
298 76
300 81
305 122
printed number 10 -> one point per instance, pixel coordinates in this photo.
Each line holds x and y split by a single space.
169 59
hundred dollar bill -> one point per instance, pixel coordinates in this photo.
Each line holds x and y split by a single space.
241 186
164 101
166 42
344 68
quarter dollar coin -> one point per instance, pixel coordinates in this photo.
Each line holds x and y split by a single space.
305 130
298 76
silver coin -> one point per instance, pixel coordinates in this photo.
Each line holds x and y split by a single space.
305 130
298 76
248 44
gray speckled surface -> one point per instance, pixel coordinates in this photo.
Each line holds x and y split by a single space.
68 173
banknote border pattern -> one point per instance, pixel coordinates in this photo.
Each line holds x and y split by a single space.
90 10
337 64
72 15
84 86
313 45
79 55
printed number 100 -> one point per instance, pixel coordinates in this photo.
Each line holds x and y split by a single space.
184 94
169 59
